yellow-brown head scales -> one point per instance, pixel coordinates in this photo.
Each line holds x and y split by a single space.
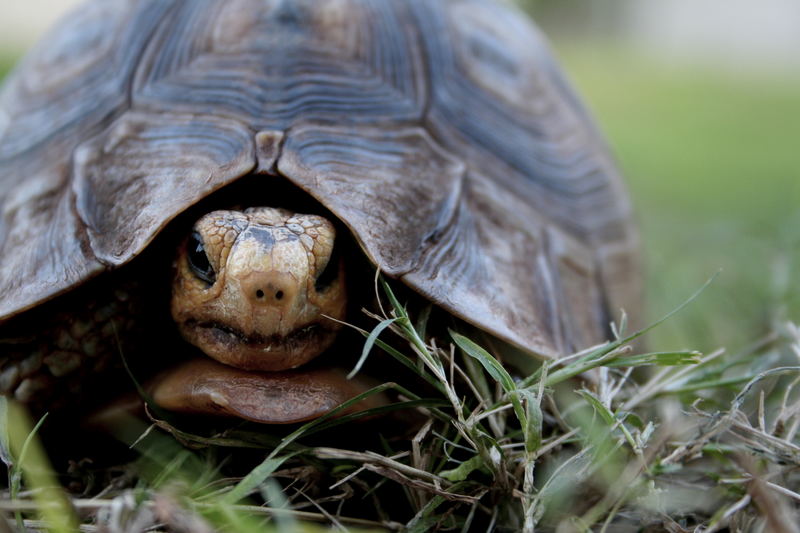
251 287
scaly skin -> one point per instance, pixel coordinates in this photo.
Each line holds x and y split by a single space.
64 353
260 305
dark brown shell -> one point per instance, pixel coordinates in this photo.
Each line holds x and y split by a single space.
440 132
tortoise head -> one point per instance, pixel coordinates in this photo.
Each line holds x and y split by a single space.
254 289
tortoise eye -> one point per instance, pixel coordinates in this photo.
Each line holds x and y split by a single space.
329 273
198 260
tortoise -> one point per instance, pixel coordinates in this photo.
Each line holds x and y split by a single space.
440 135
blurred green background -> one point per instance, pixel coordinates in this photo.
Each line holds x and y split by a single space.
700 101
702 111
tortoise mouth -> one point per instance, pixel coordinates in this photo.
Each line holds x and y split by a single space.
224 332
256 351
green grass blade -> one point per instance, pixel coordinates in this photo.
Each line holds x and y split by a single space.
657 359
33 465
532 428
16 471
462 471
492 365
274 496
716 383
254 479
5 445
373 336
398 309
607 416
408 363
171 470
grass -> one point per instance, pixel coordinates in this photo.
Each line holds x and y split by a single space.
703 440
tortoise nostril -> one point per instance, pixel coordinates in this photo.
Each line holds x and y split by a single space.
269 289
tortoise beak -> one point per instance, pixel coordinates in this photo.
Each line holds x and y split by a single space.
204 386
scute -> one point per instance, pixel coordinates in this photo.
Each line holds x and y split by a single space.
369 177
440 132
149 167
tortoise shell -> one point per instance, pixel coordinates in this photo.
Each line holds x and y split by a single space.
441 133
